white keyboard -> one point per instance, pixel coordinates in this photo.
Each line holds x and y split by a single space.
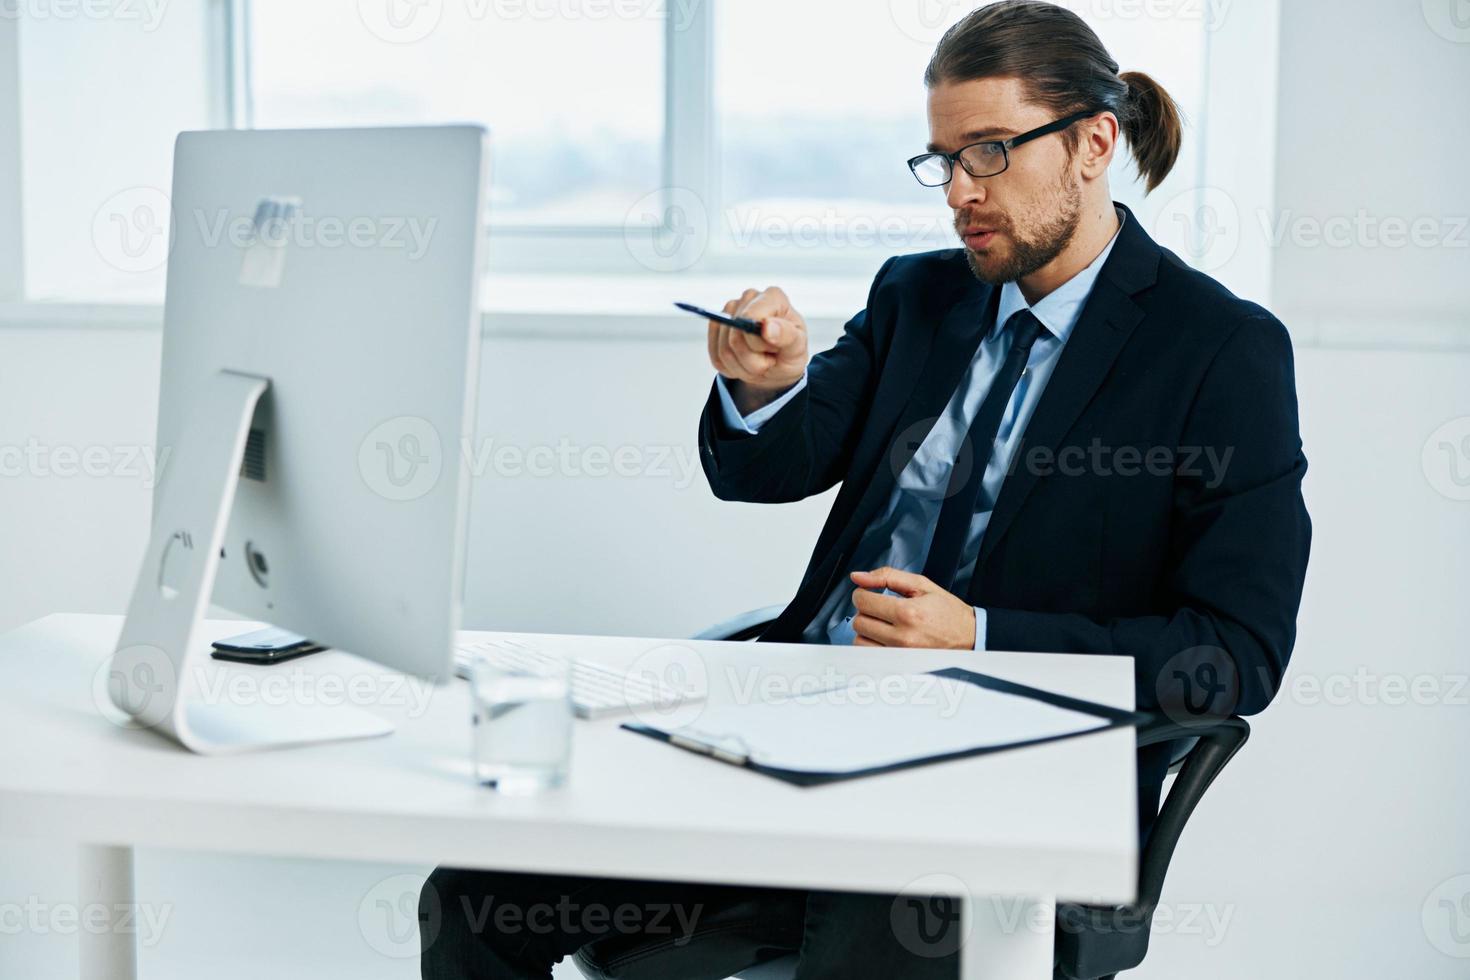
597 690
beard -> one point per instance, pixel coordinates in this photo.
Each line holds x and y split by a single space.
1030 249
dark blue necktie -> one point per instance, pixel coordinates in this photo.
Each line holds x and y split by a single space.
963 490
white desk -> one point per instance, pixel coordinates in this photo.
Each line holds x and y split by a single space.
1016 831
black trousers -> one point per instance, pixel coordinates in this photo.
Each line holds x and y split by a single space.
479 925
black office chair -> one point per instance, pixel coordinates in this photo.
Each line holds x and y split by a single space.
1092 942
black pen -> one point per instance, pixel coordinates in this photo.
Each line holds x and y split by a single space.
738 322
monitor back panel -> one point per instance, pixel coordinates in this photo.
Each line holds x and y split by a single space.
342 265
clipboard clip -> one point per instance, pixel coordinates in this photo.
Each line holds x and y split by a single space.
727 748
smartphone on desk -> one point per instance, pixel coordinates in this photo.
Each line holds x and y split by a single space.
271 645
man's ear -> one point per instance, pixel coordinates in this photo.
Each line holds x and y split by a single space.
1097 142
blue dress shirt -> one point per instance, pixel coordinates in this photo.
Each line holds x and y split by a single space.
900 535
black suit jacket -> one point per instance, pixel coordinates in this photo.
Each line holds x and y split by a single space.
1153 508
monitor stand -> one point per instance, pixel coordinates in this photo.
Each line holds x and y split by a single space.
156 670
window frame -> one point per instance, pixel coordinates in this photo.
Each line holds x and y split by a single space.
12 234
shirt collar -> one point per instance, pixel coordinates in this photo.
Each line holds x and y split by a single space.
1059 309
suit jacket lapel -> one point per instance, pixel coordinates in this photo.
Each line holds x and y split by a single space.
928 392
1107 321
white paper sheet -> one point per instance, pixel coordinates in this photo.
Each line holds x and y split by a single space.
895 719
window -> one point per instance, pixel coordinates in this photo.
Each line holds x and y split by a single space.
809 112
775 131
816 119
574 104
824 173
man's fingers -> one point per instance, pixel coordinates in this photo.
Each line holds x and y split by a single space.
755 343
895 579
777 295
783 334
771 301
753 363
781 326
881 633
723 357
724 361
877 605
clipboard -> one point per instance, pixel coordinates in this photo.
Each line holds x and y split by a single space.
731 749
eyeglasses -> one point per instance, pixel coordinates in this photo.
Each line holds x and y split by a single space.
983 159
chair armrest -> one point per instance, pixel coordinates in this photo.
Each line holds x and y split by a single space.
746 626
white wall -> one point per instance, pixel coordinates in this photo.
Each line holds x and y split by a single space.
1369 141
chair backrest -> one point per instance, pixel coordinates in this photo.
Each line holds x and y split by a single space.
1099 941
746 626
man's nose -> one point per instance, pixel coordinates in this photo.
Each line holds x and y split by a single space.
963 189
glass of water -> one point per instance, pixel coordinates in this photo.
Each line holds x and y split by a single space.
522 722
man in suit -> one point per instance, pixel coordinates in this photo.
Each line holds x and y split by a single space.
1057 438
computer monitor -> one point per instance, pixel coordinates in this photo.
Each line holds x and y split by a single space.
319 365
